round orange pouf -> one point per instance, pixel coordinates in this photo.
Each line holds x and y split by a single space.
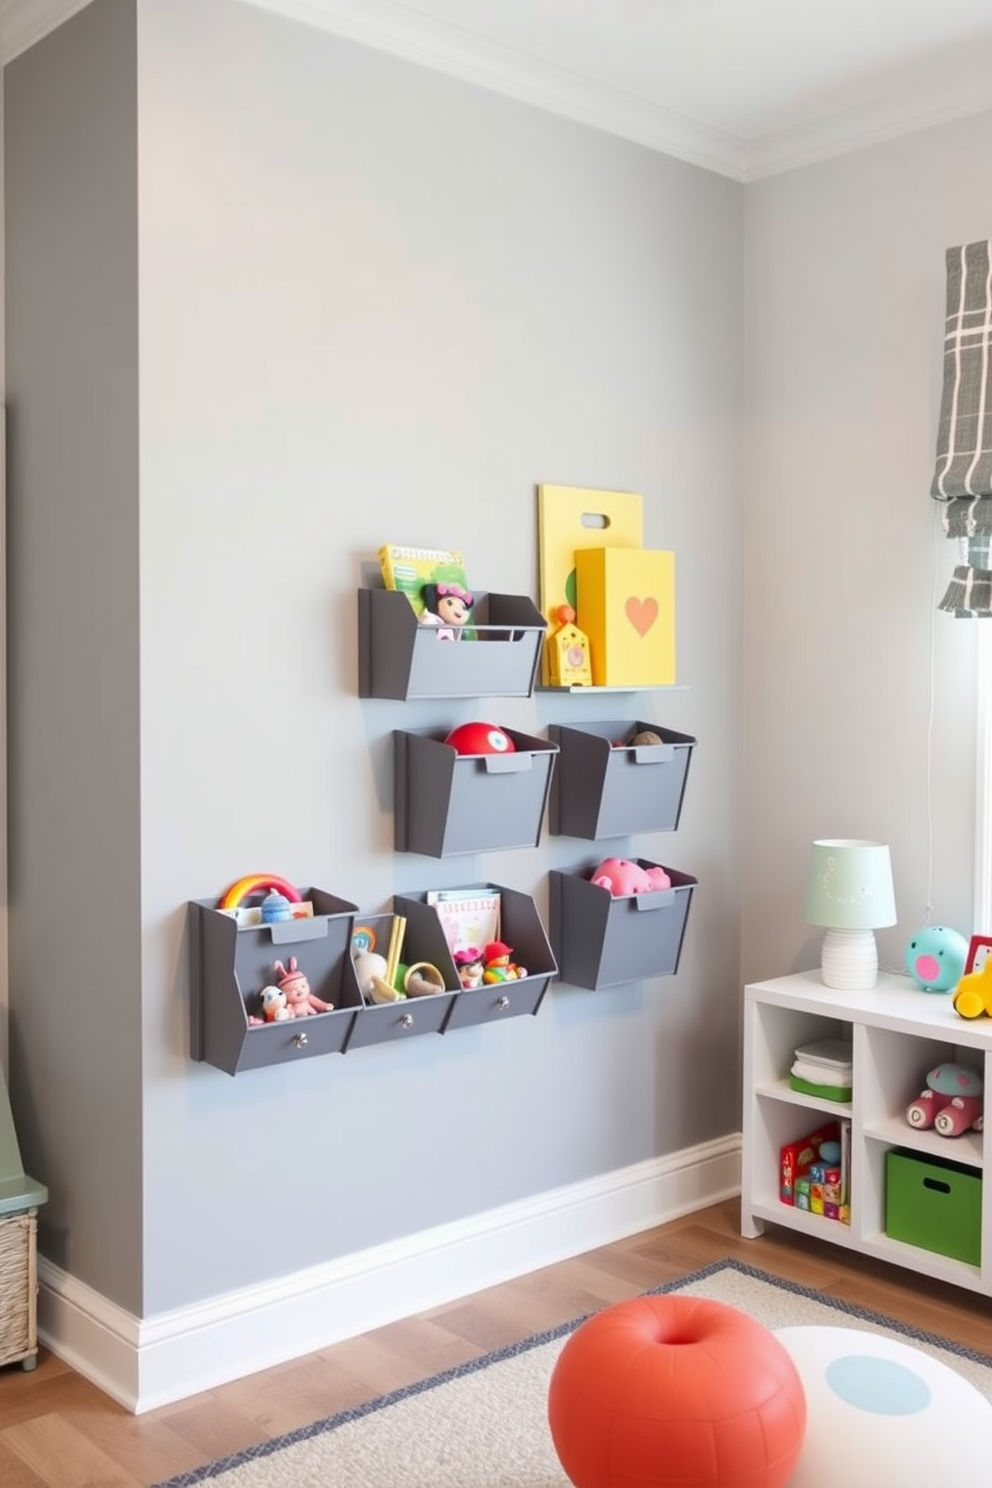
667 1392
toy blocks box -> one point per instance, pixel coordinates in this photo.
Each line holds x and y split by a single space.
625 599
797 1158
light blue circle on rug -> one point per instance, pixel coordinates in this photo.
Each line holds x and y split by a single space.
878 1385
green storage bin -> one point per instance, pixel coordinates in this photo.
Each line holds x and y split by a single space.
934 1203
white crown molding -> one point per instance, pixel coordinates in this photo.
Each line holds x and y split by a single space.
790 149
147 1363
395 27
489 64
406 33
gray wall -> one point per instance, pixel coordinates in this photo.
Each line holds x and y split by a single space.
844 561
72 594
375 305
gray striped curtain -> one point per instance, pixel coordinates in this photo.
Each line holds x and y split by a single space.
963 473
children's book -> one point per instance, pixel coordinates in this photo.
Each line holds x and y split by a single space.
469 917
845 1170
409 569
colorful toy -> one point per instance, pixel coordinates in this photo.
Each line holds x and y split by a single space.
254 883
275 907
470 964
568 652
952 1102
936 958
274 1008
498 966
974 992
447 606
409 569
622 876
669 1390
796 1158
379 976
300 1001
480 738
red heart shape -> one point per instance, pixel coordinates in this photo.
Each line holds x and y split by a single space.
642 613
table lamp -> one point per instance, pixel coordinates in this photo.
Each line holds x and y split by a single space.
849 891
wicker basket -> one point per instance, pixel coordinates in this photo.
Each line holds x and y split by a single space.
18 1288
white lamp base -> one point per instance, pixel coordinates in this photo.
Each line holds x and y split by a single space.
849 960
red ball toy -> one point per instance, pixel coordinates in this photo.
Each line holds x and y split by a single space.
665 1391
480 738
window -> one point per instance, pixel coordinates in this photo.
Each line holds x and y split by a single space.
983 782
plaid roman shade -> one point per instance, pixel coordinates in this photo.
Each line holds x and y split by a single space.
963 472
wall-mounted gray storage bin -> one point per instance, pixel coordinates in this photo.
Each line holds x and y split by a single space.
380 1023
230 966
397 658
602 940
521 928
602 791
448 803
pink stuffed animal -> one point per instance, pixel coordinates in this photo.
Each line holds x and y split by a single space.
300 1001
963 1113
621 876
274 1009
951 1103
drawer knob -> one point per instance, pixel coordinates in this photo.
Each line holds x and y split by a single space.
407 1020
502 1002
300 1040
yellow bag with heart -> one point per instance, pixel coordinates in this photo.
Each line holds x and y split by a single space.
626 606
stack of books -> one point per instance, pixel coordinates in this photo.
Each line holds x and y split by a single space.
825 1069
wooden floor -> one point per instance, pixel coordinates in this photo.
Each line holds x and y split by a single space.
57 1431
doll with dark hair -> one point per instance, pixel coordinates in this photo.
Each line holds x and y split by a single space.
448 606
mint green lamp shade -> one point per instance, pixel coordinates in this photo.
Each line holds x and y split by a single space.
849 891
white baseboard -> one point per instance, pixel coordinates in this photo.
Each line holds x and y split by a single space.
147 1362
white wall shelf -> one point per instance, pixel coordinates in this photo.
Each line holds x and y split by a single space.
581 687
898 1033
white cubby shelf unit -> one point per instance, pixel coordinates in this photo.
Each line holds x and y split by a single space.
898 1034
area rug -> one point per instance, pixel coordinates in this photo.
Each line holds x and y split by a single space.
484 1424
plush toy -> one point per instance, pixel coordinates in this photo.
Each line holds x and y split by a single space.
368 965
499 967
621 876
274 1009
936 958
300 1001
423 979
370 969
951 1103
470 964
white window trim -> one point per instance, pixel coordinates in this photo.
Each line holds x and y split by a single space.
983 780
